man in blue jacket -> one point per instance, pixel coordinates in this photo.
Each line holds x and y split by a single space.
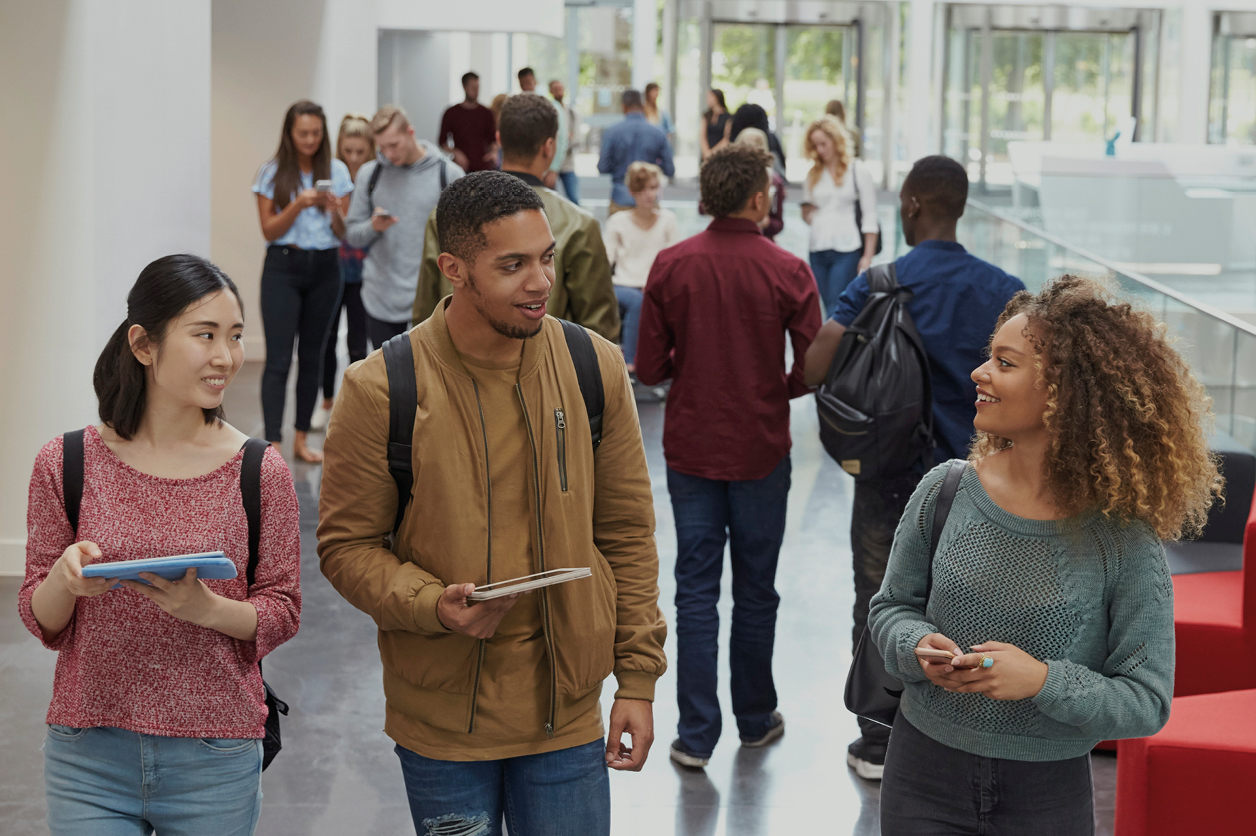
630 141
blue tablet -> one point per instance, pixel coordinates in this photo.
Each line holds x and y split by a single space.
210 566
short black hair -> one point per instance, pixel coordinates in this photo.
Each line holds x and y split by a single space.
731 176
469 203
631 99
749 115
940 184
526 121
469 77
526 71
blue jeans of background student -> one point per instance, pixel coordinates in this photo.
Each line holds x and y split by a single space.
114 782
834 270
930 789
300 294
629 299
562 793
571 185
750 516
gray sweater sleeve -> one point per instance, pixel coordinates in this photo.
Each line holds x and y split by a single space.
358 229
897 614
1132 694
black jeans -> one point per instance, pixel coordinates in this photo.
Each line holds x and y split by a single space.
933 790
379 332
300 293
874 519
351 304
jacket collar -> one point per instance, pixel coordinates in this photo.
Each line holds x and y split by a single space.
734 225
530 179
435 332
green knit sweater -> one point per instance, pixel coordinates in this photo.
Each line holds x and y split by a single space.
1090 596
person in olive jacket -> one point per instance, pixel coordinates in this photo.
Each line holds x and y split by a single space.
494 705
583 291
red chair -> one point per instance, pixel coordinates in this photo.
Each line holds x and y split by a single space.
1215 618
1197 775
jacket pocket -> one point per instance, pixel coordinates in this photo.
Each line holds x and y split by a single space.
560 428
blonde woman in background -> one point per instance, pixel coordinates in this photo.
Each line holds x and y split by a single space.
840 204
633 239
775 220
354 146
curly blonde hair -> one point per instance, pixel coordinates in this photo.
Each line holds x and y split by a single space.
836 132
1127 420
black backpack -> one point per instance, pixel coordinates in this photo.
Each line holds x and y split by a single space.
251 497
403 402
876 402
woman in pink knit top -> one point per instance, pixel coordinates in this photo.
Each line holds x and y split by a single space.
158 708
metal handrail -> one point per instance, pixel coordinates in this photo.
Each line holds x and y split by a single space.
1151 284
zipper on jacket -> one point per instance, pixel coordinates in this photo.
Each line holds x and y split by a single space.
560 421
488 491
546 627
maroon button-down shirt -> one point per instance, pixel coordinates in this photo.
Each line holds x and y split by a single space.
715 315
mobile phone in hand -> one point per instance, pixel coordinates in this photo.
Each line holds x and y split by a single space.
322 186
933 653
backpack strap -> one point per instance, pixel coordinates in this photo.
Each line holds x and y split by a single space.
882 278
251 497
370 184
589 374
72 476
444 173
403 402
942 510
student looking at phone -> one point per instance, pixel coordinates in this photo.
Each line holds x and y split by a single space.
1050 578
394 195
162 676
300 203
495 706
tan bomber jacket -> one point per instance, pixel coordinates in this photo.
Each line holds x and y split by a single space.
592 509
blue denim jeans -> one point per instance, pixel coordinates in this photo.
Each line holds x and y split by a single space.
114 782
930 789
629 299
571 185
834 271
750 516
562 793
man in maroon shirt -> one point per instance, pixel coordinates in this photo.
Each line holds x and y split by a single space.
472 129
715 315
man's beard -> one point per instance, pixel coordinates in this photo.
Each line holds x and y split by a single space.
514 332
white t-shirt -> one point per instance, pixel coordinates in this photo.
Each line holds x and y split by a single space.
833 222
631 249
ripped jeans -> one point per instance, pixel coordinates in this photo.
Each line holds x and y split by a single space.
563 793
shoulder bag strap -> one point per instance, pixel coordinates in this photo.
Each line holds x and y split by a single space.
370 185
589 374
444 174
72 476
950 486
403 402
251 497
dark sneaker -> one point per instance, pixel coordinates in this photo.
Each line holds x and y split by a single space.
774 732
684 757
866 758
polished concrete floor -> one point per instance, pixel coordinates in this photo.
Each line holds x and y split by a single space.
337 774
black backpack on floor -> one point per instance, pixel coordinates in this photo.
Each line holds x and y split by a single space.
876 402
72 463
403 402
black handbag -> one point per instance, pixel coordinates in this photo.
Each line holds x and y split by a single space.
870 690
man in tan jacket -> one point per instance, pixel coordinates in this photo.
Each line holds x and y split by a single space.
495 705
583 291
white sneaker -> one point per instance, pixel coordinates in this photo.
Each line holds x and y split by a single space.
683 758
774 732
867 770
318 421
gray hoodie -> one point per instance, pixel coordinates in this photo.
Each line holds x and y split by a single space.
390 274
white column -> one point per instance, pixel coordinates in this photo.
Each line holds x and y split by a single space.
1196 72
920 99
108 145
645 33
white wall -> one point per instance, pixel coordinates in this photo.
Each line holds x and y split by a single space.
106 108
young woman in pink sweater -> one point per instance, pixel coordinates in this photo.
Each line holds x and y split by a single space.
158 708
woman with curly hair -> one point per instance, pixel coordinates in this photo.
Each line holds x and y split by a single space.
1051 599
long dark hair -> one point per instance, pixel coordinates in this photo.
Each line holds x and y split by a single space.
288 173
164 290
719 97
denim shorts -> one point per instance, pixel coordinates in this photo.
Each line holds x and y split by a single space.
110 782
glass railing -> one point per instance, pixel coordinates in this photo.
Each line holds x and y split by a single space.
1219 348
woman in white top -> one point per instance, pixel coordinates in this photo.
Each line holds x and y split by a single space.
842 245
633 239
